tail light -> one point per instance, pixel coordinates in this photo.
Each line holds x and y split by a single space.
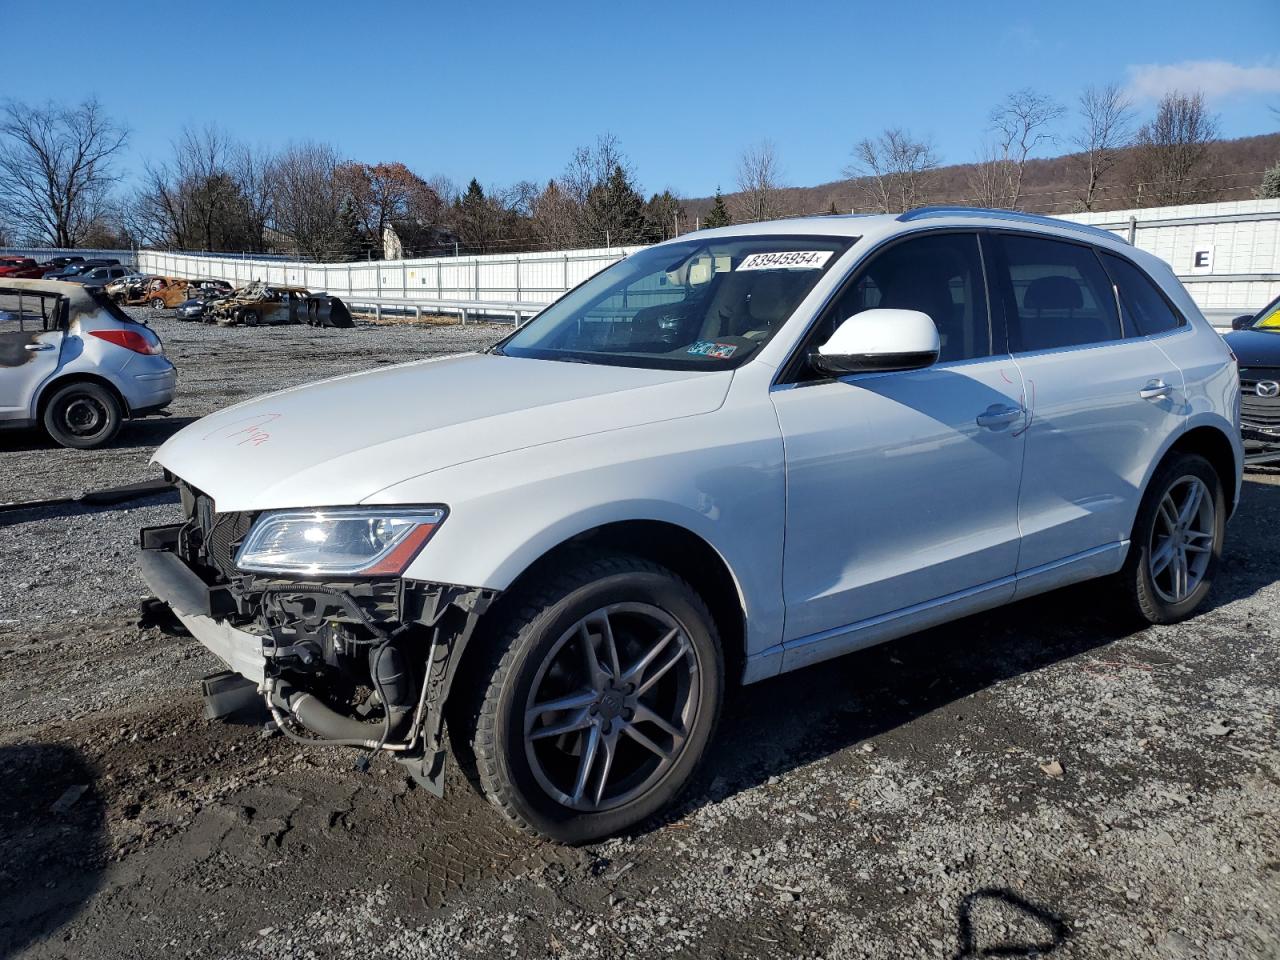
139 341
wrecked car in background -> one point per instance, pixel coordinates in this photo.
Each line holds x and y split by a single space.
200 293
259 304
127 286
73 362
158 292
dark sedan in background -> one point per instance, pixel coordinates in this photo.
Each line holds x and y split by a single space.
1255 340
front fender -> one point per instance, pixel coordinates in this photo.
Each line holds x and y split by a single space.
507 511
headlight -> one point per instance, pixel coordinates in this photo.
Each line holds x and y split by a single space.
348 542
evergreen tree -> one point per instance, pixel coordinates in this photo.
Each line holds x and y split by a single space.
349 240
1270 189
661 213
718 215
615 210
833 212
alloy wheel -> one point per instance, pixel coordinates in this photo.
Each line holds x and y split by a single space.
611 706
1182 539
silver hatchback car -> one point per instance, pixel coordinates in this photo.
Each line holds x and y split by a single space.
74 362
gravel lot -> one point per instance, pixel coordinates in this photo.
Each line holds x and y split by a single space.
1031 782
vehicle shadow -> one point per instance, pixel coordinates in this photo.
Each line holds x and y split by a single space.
52 841
1249 561
148 432
777 725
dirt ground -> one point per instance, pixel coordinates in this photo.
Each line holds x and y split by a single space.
1031 782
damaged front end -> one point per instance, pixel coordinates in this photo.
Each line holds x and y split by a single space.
361 661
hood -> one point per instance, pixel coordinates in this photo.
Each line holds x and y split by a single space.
340 441
1255 348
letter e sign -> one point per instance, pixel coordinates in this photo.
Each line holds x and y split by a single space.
1202 259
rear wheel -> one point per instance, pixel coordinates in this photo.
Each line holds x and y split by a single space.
83 416
1176 542
157 304
603 694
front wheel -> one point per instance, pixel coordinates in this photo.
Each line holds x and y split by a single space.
157 304
602 695
1176 542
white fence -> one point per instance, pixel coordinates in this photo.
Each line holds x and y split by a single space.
1227 254
488 284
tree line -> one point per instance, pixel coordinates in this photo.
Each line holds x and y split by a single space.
60 184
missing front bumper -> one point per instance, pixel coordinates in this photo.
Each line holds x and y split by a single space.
443 618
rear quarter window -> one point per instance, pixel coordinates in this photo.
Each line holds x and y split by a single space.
1144 310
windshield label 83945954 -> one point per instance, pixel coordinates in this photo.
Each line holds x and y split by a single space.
787 260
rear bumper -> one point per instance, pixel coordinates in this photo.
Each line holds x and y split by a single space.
149 385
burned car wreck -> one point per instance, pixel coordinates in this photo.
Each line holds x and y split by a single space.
259 303
364 661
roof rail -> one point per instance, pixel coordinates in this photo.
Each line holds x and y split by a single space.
924 213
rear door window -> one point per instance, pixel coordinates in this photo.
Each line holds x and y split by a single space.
1059 296
1143 307
22 311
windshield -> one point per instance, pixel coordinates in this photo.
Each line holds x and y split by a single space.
699 303
1268 317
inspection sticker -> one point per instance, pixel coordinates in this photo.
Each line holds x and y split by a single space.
709 348
787 260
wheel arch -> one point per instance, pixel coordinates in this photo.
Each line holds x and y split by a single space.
680 550
1214 445
50 387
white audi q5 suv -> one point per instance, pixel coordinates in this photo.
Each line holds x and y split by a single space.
733 454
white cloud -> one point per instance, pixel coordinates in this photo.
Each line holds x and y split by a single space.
1214 78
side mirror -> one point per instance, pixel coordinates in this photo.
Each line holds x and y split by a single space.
1242 322
878 341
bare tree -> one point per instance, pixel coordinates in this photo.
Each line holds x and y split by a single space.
1021 124
1105 130
210 195
1171 147
309 206
893 170
252 169
591 166
759 183
555 216
989 176
56 168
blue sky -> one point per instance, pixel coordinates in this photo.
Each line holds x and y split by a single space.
505 91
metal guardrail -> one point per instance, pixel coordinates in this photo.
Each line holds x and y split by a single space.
464 308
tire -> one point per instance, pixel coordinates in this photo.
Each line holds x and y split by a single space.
535 646
83 416
1147 583
157 304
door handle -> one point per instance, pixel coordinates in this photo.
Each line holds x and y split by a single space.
998 415
33 347
1155 389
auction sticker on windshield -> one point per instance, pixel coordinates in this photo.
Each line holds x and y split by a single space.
787 260
709 348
